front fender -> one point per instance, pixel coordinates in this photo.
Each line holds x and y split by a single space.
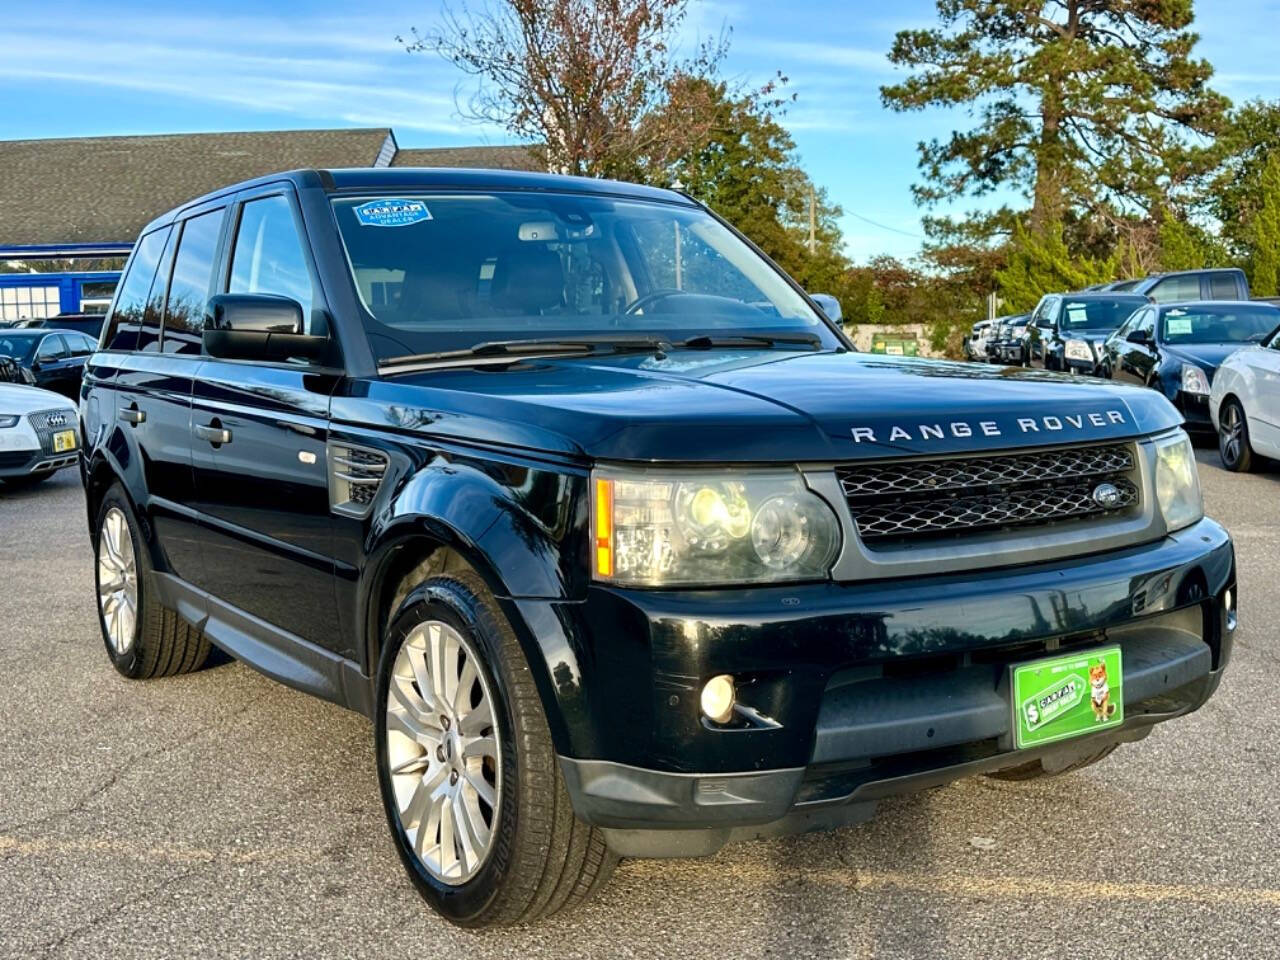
524 546
496 519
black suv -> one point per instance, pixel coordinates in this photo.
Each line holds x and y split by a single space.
1067 330
1214 283
619 544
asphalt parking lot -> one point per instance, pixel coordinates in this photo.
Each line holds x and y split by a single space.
220 814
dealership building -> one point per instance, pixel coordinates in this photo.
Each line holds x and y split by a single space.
71 208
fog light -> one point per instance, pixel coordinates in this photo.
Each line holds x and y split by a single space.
717 699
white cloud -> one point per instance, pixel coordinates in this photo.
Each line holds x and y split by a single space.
807 53
316 71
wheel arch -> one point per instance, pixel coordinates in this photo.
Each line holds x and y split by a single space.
453 518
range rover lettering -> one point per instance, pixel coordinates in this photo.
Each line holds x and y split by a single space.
608 530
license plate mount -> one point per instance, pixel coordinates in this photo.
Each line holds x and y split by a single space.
1067 696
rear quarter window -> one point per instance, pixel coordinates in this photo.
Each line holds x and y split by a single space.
121 331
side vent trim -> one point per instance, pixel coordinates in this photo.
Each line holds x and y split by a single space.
355 475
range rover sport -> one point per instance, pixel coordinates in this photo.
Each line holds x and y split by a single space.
619 544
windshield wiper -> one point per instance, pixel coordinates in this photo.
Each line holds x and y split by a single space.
535 347
706 341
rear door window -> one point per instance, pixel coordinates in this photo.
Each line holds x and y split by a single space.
1177 289
131 300
191 283
269 257
1222 286
51 348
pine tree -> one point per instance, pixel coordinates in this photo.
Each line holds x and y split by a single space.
1186 246
1039 263
1082 105
1266 233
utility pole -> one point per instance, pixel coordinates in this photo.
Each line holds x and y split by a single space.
813 221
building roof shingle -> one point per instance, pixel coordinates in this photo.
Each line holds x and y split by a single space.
487 158
105 189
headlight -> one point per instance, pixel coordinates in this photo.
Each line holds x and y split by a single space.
662 528
28 376
1177 482
8 420
1079 350
1194 380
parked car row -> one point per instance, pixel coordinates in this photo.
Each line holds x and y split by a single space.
1195 336
49 359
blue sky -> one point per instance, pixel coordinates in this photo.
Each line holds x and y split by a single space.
91 68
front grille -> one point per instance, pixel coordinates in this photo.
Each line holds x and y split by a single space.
48 422
912 499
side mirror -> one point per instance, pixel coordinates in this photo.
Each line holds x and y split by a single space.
258 326
830 306
1139 336
35 366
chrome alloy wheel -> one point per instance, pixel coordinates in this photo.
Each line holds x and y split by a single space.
117 580
1232 433
443 752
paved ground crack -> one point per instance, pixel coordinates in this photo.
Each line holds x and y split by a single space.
98 790
96 920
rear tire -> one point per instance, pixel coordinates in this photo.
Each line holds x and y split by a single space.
537 857
143 638
1036 770
1233 438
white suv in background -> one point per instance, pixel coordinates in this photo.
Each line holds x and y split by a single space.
975 344
38 434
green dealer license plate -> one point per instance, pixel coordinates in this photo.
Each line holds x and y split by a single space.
1067 696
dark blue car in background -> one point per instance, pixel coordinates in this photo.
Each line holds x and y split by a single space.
52 359
1176 348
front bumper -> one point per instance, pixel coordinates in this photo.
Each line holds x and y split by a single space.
24 451
1011 353
1194 408
853 692
20 463
1083 368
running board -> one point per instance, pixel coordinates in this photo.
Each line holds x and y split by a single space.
276 653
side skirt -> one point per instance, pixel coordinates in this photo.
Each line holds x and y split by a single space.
278 654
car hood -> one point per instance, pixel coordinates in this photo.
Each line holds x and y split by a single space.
1206 355
753 406
16 398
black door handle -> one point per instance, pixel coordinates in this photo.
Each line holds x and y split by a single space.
214 432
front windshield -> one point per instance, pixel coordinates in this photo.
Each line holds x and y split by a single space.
17 346
1099 314
447 272
1229 323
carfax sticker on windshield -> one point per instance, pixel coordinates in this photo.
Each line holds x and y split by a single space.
392 212
1177 326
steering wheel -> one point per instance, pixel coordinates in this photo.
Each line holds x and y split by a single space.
638 305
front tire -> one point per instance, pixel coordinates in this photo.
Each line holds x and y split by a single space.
1233 438
470 782
143 638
